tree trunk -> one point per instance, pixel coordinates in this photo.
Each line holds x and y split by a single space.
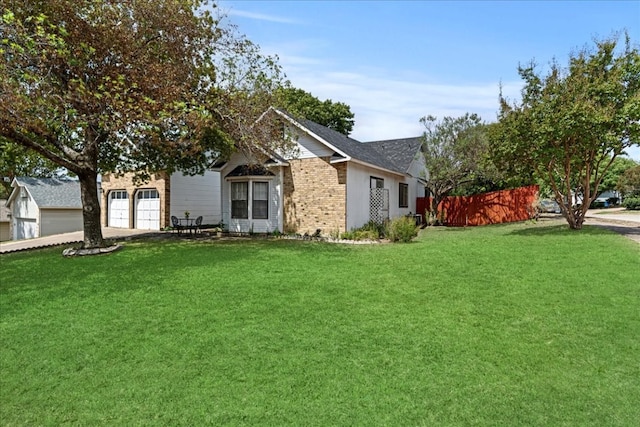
91 211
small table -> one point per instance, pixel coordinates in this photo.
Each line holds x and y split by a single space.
188 224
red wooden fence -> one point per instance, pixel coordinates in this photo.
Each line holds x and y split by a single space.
487 208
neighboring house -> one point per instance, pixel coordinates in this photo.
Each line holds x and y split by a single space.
333 183
607 198
5 221
149 206
44 206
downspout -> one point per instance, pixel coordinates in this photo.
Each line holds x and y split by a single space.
346 198
281 199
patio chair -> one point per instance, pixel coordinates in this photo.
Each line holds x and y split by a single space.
175 223
197 226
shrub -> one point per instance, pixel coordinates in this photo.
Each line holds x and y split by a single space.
402 229
374 227
632 203
347 235
360 234
369 231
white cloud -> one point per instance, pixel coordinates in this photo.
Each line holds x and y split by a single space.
387 108
260 16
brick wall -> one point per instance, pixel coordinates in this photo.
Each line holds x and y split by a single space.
159 181
314 196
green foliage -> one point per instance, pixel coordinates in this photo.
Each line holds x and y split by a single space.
455 152
17 160
629 182
572 123
611 176
401 229
632 203
334 115
370 231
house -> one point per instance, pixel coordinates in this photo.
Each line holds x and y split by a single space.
332 182
5 221
149 206
44 206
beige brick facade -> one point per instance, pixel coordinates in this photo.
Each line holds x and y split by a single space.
159 181
314 196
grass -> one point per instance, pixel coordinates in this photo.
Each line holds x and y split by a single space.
526 324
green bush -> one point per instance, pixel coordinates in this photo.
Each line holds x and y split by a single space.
402 229
374 227
360 234
632 203
369 231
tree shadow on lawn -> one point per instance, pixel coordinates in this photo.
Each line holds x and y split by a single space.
559 230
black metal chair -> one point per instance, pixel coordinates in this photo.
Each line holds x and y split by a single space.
197 226
175 223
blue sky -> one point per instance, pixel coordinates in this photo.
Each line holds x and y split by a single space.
394 62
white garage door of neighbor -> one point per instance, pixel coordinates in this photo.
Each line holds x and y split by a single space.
25 228
148 210
119 209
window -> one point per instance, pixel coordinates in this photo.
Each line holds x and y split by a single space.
377 182
260 207
239 200
148 194
119 194
403 193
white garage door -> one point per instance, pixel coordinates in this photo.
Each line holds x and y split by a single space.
26 229
119 209
148 210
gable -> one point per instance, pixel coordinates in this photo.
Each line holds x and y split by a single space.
316 140
48 192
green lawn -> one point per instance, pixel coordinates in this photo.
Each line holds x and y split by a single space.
526 324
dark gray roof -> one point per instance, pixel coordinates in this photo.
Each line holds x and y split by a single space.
401 152
52 192
394 155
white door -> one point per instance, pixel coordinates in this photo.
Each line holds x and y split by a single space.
148 210
118 209
25 228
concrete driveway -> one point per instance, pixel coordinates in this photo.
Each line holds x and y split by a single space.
69 238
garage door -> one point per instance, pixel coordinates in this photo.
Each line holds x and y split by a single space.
119 209
148 210
26 228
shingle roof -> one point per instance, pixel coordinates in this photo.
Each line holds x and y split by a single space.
401 152
52 192
395 155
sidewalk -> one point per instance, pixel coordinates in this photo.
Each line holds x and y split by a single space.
69 238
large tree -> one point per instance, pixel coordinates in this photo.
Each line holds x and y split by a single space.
101 86
573 122
454 152
334 115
